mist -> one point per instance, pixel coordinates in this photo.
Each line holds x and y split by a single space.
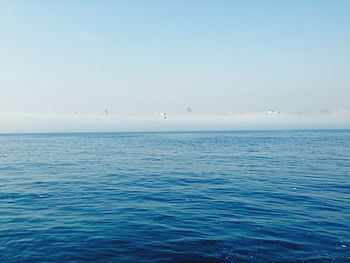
32 123
62 64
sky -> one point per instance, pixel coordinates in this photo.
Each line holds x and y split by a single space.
137 57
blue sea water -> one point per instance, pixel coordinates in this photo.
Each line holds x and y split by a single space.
242 196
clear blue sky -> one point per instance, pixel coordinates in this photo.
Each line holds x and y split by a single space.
134 57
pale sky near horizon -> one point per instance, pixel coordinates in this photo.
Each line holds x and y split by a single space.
134 57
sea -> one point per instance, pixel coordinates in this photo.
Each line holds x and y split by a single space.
235 196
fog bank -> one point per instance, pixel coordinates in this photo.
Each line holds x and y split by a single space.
32 123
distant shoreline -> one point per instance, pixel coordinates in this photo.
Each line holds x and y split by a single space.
179 131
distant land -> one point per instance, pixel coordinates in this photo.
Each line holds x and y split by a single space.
164 121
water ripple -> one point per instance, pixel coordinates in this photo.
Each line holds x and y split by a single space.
265 196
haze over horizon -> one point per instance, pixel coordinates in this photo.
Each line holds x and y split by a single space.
199 58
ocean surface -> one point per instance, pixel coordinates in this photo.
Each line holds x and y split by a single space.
241 196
